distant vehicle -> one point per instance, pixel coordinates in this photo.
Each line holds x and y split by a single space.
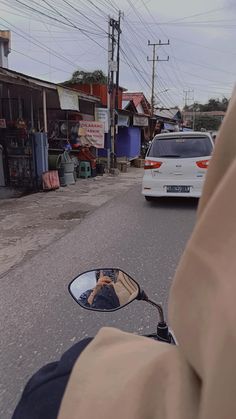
176 164
214 135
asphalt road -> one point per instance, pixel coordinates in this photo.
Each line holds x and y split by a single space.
39 320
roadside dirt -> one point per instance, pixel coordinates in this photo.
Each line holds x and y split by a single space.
32 222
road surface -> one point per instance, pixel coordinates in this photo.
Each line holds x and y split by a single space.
39 319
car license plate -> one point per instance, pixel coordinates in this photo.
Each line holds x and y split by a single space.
178 189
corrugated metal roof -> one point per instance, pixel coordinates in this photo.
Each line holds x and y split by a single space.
139 99
13 76
168 113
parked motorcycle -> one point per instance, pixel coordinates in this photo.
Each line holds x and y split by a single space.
110 289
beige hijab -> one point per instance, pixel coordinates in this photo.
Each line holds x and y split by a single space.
125 376
125 288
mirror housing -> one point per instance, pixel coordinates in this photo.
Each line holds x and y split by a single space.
104 289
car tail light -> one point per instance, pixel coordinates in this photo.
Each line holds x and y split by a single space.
203 164
150 164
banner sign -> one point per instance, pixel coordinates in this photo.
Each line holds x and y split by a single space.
102 114
140 121
123 120
69 100
91 134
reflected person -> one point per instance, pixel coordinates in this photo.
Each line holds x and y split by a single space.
102 297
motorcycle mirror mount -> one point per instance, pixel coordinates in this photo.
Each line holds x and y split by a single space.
162 327
110 289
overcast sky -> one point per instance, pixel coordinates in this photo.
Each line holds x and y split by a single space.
51 39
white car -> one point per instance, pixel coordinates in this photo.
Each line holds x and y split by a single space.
176 164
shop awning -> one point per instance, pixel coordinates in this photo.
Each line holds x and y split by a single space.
14 77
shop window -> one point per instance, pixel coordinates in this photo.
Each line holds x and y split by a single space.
86 107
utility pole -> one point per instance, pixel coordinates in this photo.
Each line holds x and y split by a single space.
118 60
113 90
113 68
194 113
189 96
109 94
118 29
154 60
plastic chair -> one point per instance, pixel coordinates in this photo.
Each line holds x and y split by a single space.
84 169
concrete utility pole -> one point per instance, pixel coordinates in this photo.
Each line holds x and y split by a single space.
108 92
189 96
154 60
114 32
118 60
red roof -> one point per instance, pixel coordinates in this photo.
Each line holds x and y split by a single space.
139 99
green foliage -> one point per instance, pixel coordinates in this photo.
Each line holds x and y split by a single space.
210 123
83 77
211 105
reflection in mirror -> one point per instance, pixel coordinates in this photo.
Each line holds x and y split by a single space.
104 289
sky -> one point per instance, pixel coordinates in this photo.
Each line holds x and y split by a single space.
53 38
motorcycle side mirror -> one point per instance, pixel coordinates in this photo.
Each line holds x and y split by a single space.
106 289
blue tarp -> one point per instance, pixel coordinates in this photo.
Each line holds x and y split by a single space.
128 143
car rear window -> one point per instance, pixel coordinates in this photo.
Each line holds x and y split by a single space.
181 147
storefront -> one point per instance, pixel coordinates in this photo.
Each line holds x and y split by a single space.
36 116
133 131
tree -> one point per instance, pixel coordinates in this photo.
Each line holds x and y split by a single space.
211 105
84 77
210 123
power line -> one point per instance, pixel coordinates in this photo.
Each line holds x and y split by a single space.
137 69
109 6
141 20
84 31
204 46
205 66
86 17
187 17
97 8
175 58
68 10
140 48
148 29
27 15
201 14
138 73
38 44
178 78
39 61
203 24
202 78
154 60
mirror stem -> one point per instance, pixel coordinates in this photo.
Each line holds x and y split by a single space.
143 296
159 308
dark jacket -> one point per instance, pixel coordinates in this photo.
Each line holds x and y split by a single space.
43 393
105 299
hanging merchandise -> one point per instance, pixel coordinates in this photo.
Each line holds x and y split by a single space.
19 157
